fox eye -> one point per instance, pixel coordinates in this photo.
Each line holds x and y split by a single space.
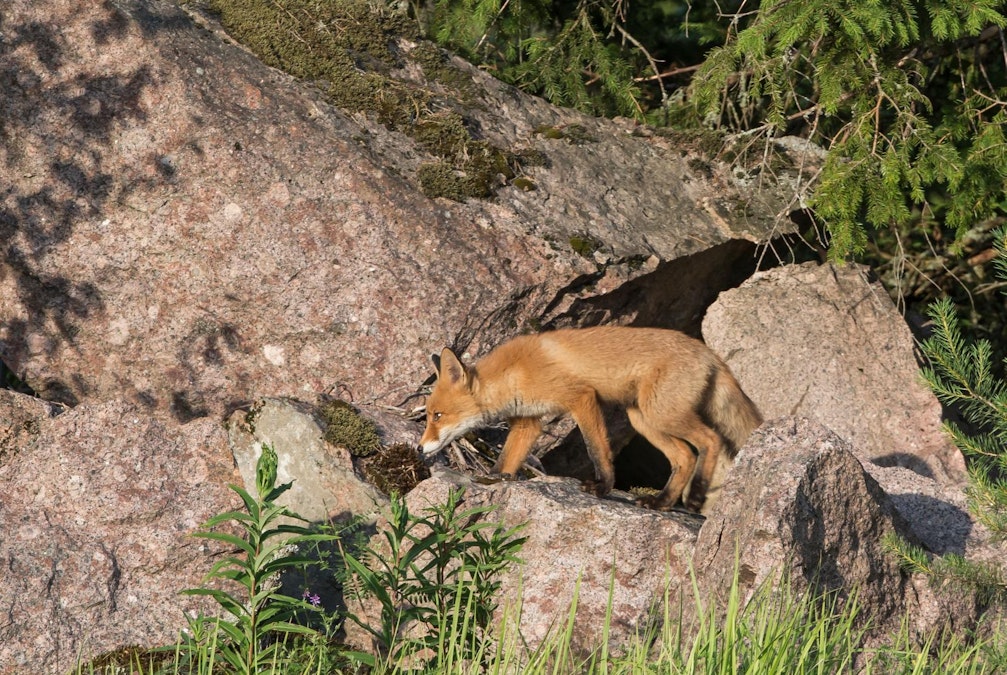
437 416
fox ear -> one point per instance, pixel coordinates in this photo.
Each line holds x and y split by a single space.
451 368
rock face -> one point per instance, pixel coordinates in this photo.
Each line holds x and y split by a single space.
854 370
97 507
798 501
324 485
939 517
188 229
797 494
574 539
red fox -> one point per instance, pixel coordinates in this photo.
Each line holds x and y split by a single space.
676 392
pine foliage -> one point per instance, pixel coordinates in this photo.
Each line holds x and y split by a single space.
962 375
951 571
909 98
571 57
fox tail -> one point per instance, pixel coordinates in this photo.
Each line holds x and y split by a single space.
731 411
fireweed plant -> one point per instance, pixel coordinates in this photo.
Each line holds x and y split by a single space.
259 618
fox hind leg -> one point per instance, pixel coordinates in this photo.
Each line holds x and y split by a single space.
710 447
693 451
679 454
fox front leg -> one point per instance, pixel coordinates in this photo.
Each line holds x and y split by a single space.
524 431
587 414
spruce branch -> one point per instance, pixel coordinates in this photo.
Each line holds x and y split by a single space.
951 571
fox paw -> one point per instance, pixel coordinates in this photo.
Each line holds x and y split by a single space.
653 502
656 502
694 505
597 488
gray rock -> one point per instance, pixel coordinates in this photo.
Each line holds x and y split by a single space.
798 502
823 342
574 539
392 427
938 515
325 488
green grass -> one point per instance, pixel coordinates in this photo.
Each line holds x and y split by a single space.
436 577
776 632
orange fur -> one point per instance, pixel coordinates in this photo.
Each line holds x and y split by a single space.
678 394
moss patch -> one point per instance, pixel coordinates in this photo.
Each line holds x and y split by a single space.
576 134
342 45
442 134
437 67
347 428
439 179
349 49
395 468
584 245
525 183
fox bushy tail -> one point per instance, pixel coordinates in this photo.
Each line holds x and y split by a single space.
731 411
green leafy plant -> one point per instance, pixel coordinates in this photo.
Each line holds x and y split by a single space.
435 575
260 617
962 375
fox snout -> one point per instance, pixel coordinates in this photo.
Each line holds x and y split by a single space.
427 447
431 442
437 435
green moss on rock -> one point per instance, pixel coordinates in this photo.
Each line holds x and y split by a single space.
349 49
442 134
437 66
524 183
584 245
476 175
347 428
576 134
439 179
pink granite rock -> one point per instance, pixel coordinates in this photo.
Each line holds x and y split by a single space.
188 229
97 511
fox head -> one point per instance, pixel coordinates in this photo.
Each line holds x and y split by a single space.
452 408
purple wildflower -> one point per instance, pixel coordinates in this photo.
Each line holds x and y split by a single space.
314 599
